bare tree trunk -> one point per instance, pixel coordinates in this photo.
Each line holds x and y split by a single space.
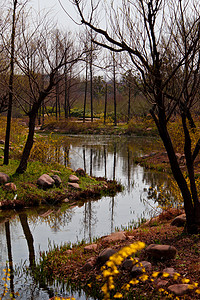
105 106
10 102
129 101
114 90
29 238
29 144
66 92
176 171
91 80
85 96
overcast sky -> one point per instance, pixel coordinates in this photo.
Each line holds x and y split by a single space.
56 11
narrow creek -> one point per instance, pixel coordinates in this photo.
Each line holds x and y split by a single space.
24 234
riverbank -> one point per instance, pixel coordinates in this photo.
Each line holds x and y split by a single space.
66 185
137 126
80 266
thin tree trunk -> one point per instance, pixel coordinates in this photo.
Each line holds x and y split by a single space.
85 96
114 90
29 144
129 101
10 101
105 106
29 238
91 81
66 94
176 171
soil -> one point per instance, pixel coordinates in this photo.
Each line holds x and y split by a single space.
160 161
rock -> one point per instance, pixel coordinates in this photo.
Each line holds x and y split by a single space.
57 180
55 171
89 265
80 172
138 268
127 264
90 248
4 178
179 289
169 271
130 237
116 236
179 221
161 251
73 178
10 186
152 221
66 200
45 181
161 282
105 255
74 185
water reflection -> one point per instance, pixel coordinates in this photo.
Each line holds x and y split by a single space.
28 232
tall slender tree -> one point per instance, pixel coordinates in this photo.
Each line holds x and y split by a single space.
11 78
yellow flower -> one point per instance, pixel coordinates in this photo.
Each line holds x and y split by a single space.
89 284
106 273
191 286
118 295
155 274
165 274
104 288
176 275
185 280
134 281
144 277
197 291
195 284
110 264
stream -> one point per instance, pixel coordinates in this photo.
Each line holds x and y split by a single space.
24 234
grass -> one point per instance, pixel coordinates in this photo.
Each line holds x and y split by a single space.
29 194
137 126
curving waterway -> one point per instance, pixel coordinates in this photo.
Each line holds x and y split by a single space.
24 234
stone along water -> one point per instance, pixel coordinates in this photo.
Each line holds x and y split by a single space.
24 234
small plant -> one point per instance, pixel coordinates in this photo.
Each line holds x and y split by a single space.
5 289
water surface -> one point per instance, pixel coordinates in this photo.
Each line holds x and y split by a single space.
30 231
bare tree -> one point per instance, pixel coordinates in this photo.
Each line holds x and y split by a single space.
11 77
39 44
162 40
